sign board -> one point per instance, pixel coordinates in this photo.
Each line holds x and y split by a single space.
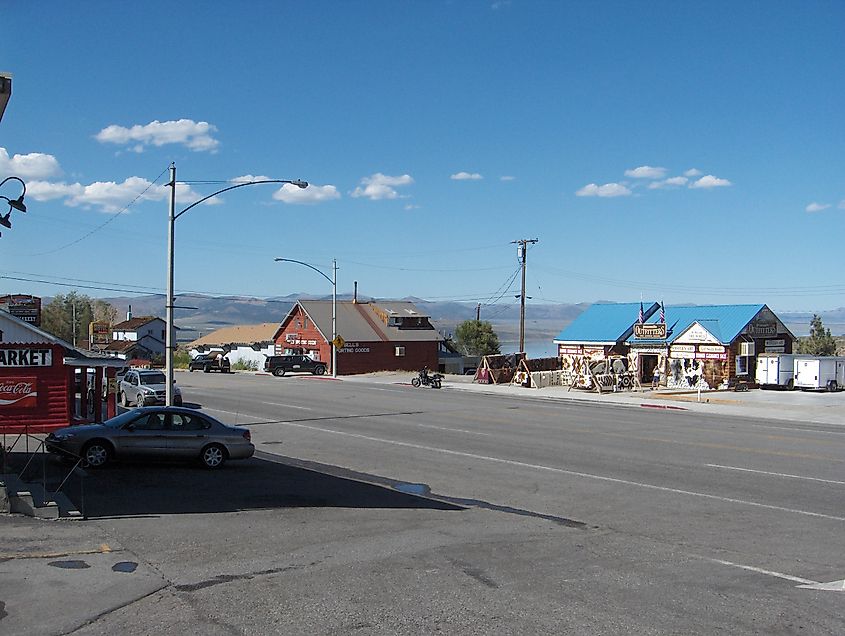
775 349
338 342
354 347
18 392
762 329
711 348
99 332
25 307
25 357
775 343
683 348
696 333
650 331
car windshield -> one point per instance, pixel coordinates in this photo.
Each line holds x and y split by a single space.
121 420
152 378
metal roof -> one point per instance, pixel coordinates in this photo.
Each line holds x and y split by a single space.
606 322
725 322
360 322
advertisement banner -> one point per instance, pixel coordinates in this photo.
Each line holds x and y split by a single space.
18 393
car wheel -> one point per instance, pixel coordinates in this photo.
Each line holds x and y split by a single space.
190 369
790 384
435 384
415 382
832 386
177 401
319 370
213 456
96 454
278 372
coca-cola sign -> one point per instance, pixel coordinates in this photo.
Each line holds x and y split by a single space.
18 392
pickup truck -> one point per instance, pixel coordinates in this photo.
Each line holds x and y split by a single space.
207 364
279 365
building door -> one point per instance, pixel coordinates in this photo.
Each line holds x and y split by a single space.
646 364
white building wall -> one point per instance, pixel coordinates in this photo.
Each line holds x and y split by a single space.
248 355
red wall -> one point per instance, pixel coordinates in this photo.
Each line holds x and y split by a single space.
53 384
366 357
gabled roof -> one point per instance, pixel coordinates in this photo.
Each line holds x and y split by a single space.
725 322
360 322
606 323
134 323
73 355
239 334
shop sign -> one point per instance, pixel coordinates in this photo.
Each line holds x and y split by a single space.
762 329
291 337
354 347
697 333
775 343
569 351
683 348
99 332
650 331
771 349
18 392
26 357
711 348
711 356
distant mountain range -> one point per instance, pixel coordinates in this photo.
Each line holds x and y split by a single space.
542 322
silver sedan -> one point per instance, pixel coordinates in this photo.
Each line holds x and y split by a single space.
153 432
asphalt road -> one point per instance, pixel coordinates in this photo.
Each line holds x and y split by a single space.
379 508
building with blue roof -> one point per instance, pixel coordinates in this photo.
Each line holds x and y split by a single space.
689 346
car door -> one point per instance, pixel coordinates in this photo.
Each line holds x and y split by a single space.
187 434
129 387
144 436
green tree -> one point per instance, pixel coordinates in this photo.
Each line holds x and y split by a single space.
819 342
67 316
476 338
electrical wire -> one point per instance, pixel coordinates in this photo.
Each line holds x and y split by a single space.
103 224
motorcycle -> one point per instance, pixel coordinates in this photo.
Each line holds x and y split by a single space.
426 379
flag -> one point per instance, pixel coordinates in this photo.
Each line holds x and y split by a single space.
640 317
662 313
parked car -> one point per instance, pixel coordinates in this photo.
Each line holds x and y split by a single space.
142 387
208 363
153 432
279 365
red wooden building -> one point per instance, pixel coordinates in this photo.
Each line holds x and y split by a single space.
378 336
41 377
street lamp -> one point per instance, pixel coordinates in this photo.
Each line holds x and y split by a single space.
333 281
170 235
16 204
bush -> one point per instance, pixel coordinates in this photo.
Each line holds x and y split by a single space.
181 360
245 365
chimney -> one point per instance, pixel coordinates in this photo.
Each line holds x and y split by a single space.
355 294
129 313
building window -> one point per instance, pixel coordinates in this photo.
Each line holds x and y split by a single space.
400 352
742 365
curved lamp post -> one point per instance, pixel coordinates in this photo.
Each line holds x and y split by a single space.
16 204
333 281
170 234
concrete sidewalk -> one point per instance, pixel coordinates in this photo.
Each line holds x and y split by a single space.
793 406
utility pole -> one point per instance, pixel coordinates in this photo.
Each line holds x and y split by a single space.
522 251
478 312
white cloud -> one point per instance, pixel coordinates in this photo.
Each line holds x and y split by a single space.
667 183
709 181
411 206
381 186
817 207
35 165
187 132
841 205
646 172
250 177
606 190
692 172
466 176
109 196
507 178
292 194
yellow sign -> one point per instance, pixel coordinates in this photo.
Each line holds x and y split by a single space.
338 342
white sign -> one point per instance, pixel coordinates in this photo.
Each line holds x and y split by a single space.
684 348
26 357
775 343
711 348
697 333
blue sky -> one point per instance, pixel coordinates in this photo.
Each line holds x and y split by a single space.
685 151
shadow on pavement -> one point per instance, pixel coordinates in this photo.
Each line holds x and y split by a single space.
148 488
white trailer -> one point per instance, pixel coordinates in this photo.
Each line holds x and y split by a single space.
824 372
776 370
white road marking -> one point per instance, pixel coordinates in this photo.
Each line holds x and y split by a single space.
562 471
779 575
765 472
289 406
835 586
